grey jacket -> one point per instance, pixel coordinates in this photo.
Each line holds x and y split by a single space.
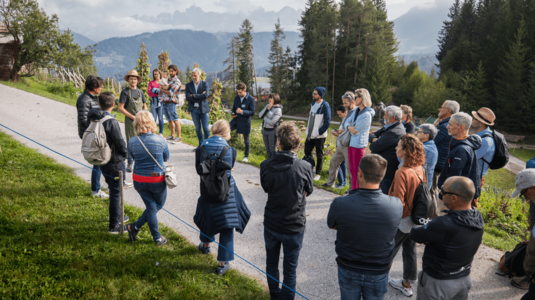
272 116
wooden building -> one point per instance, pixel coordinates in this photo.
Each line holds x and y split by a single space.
8 50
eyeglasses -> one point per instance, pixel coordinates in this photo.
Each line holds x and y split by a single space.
444 193
314 94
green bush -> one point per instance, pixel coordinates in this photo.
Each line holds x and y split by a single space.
67 90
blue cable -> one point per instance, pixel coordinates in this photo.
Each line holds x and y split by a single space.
213 240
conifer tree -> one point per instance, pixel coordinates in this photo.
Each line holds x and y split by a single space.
232 62
143 69
377 79
245 52
476 92
276 59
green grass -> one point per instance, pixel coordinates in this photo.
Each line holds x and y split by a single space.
54 243
522 154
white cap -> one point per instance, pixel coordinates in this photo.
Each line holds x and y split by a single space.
524 180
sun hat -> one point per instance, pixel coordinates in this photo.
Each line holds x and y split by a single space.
524 180
132 73
485 116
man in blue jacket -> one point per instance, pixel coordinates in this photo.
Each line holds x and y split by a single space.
319 120
196 95
366 222
483 119
242 110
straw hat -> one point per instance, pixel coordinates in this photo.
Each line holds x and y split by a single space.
132 73
485 116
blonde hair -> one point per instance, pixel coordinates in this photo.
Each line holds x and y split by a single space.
221 128
406 110
366 98
144 122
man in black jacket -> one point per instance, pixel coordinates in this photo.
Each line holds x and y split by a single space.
288 181
118 155
87 101
451 242
366 221
384 142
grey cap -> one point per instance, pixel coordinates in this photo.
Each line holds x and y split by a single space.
524 180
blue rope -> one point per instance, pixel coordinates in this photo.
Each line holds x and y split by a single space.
213 240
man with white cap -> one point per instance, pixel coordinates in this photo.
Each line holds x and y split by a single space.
525 187
483 119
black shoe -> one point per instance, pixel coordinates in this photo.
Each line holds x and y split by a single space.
162 241
130 167
116 230
132 231
521 282
326 185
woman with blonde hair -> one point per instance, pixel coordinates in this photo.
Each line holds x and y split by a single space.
150 151
360 131
220 218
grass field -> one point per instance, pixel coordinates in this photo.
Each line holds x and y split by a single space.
523 154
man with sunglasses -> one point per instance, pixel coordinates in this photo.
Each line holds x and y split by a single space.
319 120
451 241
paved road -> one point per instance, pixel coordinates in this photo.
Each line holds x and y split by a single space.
54 124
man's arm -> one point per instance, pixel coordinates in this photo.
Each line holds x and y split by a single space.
309 182
189 92
117 138
484 148
203 89
125 112
250 111
333 215
385 142
399 188
432 232
144 99
376 134
263 181
442 136
326 120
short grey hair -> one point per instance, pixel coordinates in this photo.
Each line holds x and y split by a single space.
462 118
429 129
394 111
197 70
453 105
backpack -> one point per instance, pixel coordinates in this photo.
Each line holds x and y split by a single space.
310 160
215 184
423 208
512 262
94 144
501 154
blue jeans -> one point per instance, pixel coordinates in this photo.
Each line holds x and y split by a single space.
356 285
157 112
95 179
115 190
201 124
385 185
291 246
342 174
226 239
151 194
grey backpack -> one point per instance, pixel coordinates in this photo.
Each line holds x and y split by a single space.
94 144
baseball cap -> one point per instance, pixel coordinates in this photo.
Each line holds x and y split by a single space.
524 180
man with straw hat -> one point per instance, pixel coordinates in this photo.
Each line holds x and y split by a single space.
131 101
483 119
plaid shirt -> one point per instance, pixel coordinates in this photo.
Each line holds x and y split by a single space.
174 87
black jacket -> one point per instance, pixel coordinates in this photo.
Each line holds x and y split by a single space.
462 161
84 104
442 141
387 140
409 127
451 243
113 133
367 222
286 179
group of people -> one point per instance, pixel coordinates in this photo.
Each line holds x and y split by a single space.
449 157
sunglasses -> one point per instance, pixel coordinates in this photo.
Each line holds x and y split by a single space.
444 193
348 96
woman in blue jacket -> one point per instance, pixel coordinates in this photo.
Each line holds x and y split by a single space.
221 218
360 131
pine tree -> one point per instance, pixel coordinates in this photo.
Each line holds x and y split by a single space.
143 69
446 38
476 92
276 59
232 62
377 79
245 69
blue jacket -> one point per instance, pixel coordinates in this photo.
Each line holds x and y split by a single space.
325 110
367 222
363 123
199 97
442 141
211 218
431 157
157 146
242 123
462 161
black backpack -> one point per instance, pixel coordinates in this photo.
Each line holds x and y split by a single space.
215 184
501 154
512 263
309 159
423 209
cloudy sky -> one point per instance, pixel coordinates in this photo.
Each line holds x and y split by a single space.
101 19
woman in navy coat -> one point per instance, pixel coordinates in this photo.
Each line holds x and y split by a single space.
222 218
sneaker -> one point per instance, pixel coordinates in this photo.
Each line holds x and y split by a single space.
326 185
521 282
161 134
222 269
204 250
116 230
126 218
132 231
317 177
245 159
170 138
127 185
398 285
176 141
162 241
100 194
339 186
130 167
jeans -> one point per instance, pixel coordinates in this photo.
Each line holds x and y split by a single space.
342 174
201 124
410 267
157 113
247 142
385 185
95 179
115 190
530 295
154 196
360 285
318 144
270 141
291 246
226 239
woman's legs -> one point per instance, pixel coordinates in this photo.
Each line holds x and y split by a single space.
354 156
159 112
154 196
226 239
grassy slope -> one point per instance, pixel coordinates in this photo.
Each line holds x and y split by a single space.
54 243
523 154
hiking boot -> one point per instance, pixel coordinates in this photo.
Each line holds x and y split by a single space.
398 285
177 140
521 282
222 269
132 231
100 194
162 241
116 230
204 250
130 167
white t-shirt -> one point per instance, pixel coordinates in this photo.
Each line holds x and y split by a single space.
315 107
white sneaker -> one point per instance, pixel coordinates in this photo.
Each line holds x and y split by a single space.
176 141
317 177
127 184
100 194
398 285
245 159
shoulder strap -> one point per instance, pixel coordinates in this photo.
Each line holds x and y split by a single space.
106 118
149 153
421 181
204 154
223 152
